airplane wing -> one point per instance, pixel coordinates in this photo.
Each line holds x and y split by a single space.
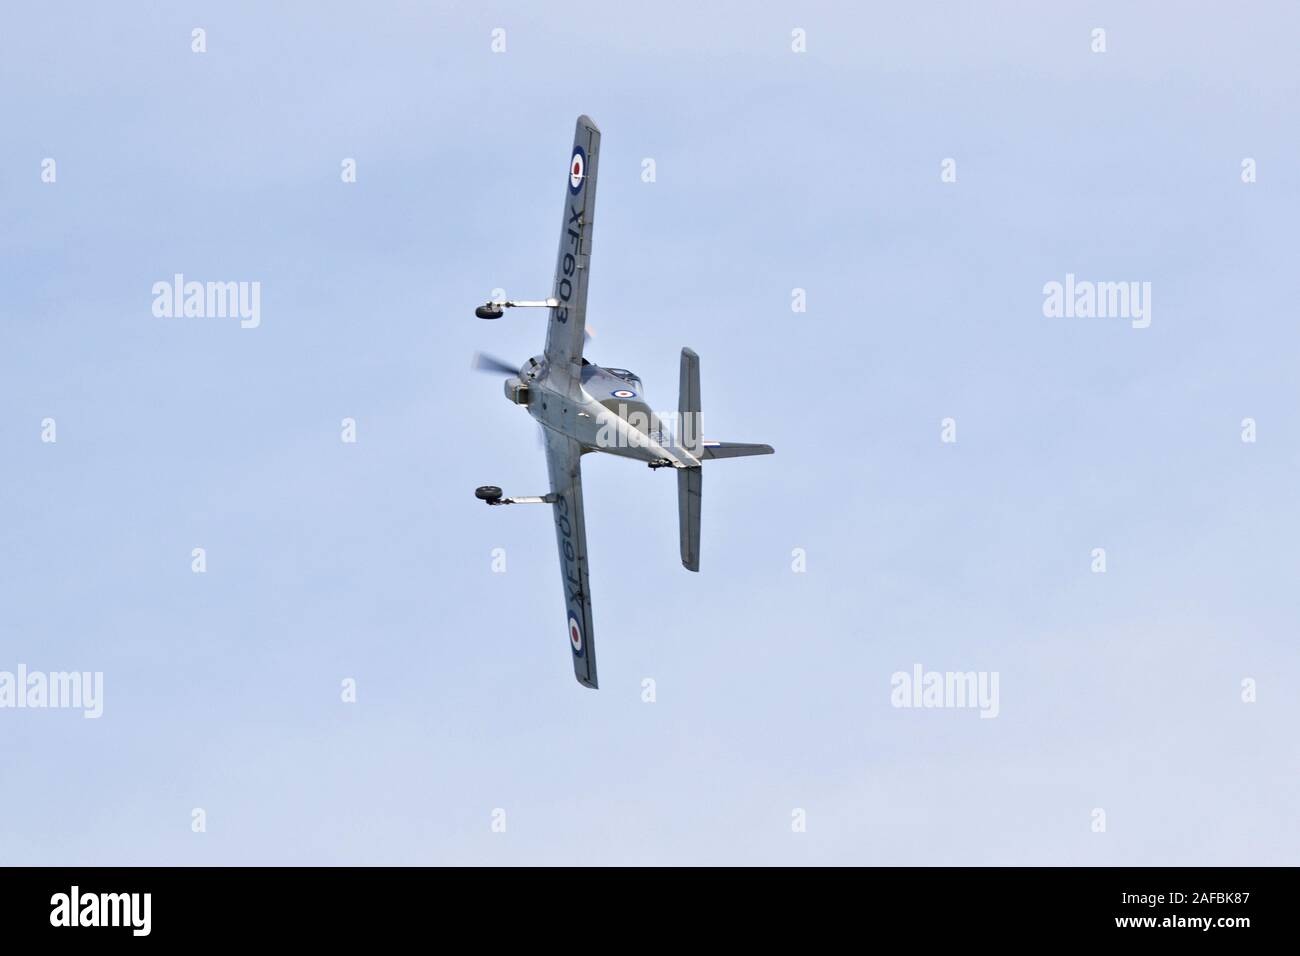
563 462
568 322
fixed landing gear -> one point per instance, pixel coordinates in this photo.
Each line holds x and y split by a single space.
494 310
491 494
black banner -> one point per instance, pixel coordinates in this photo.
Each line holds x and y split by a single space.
206 905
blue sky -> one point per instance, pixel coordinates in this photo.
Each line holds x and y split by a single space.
775 170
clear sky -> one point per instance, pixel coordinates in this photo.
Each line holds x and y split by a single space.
774 170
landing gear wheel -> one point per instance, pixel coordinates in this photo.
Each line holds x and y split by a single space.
487 493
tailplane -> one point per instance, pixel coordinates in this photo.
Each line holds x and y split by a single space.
690 481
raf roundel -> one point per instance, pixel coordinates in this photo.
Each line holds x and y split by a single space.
577 170
623 393
575 634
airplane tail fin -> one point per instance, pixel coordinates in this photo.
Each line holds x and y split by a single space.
731 449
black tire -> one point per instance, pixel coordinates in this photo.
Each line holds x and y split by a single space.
487 493
488 312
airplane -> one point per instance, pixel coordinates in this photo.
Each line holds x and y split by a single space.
583 407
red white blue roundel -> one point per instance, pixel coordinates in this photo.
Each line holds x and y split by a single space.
623 393
575 634
577 170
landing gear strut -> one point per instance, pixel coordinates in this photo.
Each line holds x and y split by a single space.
494 310
491 494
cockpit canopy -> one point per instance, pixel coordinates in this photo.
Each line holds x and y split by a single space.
614 378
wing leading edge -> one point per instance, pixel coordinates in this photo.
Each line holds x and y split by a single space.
564 463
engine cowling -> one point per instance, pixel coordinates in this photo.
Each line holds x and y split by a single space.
517 391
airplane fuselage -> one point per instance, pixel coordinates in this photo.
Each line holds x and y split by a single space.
603 411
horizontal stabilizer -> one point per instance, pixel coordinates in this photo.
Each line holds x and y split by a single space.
690 484
688 403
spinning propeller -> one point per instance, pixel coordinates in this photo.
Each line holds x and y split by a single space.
482 362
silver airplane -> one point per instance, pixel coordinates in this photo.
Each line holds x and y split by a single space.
584 408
